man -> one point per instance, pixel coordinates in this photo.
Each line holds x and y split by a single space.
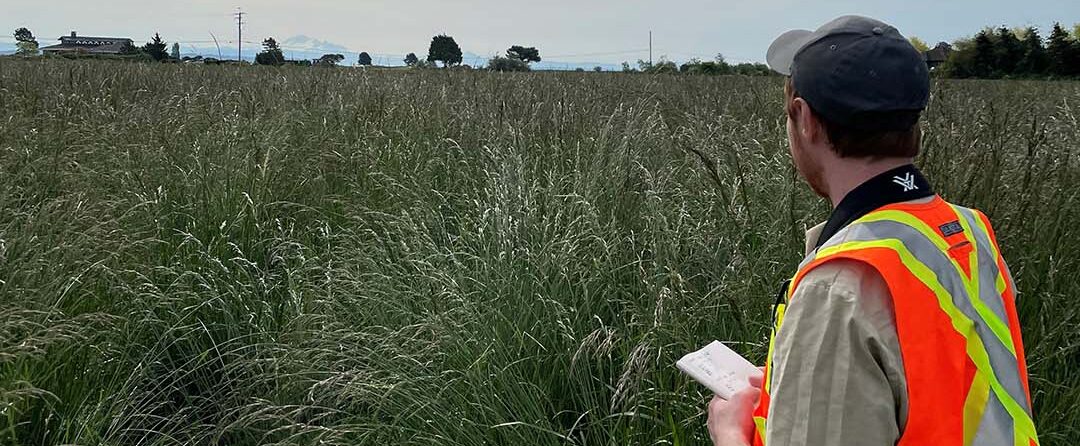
900 326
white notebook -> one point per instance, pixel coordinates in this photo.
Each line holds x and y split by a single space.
719 368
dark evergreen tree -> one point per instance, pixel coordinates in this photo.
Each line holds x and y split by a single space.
155 48
364 59
271 53
411 59
1007 52
1035 62
985 56
1062 52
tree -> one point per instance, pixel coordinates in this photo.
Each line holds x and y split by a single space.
752 69
919 44
24 35
598 69
271 53
711 68
524 54
444 49
961 61
129 49
985 55
25 42
175 53
364 59
329 60
661 66
503 64
1035 62
155 48
1061 50
411 59
1007 51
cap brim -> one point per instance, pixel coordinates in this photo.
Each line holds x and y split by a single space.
783 50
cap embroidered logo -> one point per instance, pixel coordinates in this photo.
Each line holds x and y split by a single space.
907 182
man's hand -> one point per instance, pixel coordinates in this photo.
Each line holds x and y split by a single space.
731 423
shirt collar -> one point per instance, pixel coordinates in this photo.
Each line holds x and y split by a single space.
898 185
812 236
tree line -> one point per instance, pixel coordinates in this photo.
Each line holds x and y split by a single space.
695 66
443 50
1006 53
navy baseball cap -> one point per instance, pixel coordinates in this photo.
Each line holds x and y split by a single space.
854 68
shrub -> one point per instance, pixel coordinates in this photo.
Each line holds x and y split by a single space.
499 63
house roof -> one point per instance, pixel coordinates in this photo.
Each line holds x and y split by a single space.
62 38
939 53
106 49
936 55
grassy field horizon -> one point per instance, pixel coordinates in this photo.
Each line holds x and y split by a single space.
251 255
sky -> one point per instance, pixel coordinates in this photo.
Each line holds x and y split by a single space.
608 31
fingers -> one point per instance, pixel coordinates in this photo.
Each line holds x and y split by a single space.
756 381
731 422
747 398
716 404
742 404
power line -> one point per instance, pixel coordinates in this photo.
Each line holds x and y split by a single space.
239 34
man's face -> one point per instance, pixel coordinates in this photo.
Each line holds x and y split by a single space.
805 151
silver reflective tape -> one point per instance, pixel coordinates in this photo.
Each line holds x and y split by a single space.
988 273
988 267
996 425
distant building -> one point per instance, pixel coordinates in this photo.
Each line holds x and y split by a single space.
938 55
91 45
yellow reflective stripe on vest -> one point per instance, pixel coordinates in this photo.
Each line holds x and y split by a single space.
778 319
1023 425
974 407
996 325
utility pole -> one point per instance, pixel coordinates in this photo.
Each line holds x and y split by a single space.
239 34
650 48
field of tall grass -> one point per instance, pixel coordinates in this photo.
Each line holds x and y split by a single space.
243 255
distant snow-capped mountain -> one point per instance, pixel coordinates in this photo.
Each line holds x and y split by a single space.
294 48
312 45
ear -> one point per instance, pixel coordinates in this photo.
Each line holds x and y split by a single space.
808 124
804 119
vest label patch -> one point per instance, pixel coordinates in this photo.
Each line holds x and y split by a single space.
951 228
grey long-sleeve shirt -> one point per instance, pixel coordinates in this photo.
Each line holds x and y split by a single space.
838 375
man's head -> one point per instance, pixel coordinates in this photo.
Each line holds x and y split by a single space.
854 93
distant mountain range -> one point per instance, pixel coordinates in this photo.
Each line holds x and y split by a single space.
306 47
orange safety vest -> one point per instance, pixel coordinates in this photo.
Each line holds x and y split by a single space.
956 323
